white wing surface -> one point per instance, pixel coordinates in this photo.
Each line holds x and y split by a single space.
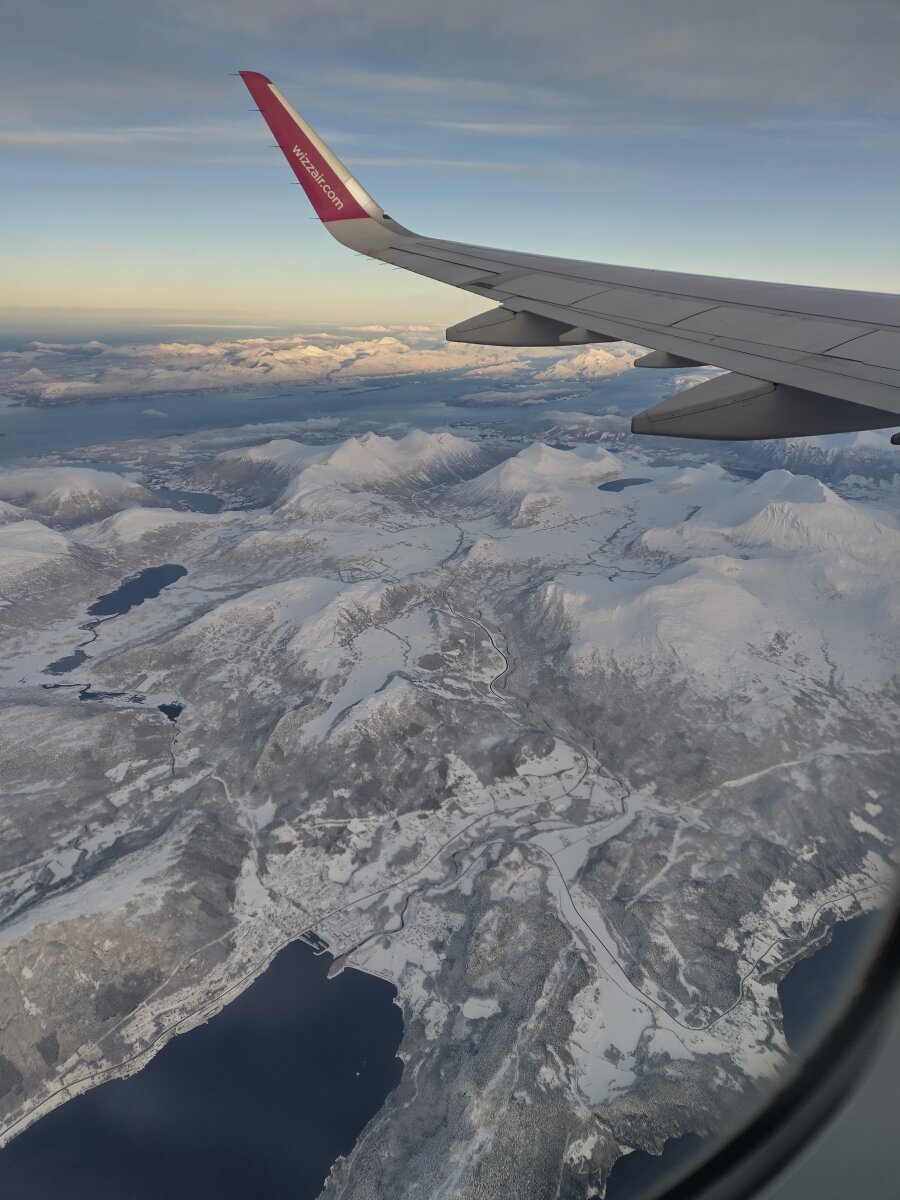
800 360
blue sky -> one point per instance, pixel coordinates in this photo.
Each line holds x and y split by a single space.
760 140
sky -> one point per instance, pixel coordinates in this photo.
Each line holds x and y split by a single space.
759 140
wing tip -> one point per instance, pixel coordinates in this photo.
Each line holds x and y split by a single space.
331 189
256 76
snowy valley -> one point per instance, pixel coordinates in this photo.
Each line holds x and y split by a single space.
579 749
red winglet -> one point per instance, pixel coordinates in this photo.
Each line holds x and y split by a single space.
320 173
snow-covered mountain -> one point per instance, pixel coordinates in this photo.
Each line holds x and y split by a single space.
791 513
418 459
833 458
11 512
54 373
26 545
578 427
540 484
539 467
294 471
67 496
581 768
754 580
37 565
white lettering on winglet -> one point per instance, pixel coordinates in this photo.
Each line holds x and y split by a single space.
319 178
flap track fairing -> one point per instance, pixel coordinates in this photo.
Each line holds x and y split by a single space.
735 407
507 327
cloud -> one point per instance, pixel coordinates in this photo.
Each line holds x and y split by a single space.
28 483
438 84
502 128
513 397
141 143
57 373
393 329
416 163
709 61
126 135
70 495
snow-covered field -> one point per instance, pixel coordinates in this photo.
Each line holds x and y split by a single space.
581 770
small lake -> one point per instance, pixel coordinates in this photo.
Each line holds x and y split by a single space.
259 1102
202 502
62 666
145 585
619 485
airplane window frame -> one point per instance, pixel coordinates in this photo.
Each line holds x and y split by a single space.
759 1150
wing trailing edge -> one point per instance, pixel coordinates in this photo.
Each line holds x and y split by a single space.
509 327
736 408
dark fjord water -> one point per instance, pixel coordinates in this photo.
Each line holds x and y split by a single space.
811 995
639 1174
815 987
258 1103
425 401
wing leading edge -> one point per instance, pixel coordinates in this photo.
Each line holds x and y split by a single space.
799 360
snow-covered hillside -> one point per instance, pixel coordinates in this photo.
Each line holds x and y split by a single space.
68 496
27 546
293 471
580 750
742 584
539 485
868 455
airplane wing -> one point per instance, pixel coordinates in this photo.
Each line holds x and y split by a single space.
799 360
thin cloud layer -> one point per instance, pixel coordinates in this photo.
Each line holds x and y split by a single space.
710 60
642 132
58 373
